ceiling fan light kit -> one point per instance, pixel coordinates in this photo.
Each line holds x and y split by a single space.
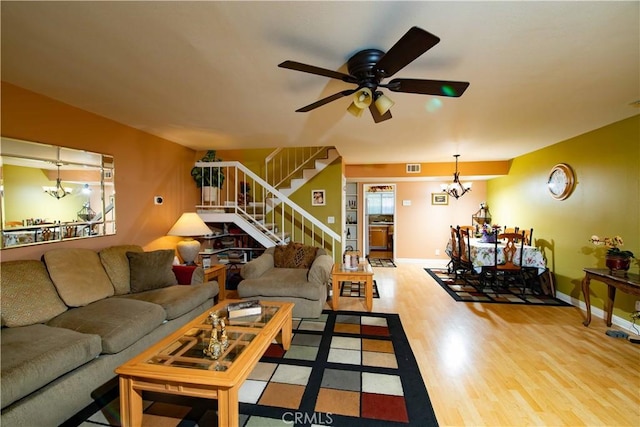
368 67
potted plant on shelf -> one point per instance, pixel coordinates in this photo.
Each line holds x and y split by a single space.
616 259
209 179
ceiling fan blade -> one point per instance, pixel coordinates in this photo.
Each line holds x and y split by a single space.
428 87
377 117
326 100
298 66
414 43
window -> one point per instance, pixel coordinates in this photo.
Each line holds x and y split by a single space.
380 203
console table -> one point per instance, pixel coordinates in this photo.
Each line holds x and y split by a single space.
629 283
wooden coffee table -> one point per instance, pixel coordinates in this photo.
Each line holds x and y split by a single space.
177 364
364 273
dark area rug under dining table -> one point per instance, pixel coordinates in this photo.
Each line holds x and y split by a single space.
343 369
471 290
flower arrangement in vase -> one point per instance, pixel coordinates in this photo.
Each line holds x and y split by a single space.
616 259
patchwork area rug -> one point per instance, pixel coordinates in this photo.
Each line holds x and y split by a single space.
344 369
356 289
381 262
474 292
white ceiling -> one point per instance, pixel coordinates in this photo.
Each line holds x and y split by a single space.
204 74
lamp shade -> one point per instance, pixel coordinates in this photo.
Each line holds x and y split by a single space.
363 98
383 103
355 110
188 225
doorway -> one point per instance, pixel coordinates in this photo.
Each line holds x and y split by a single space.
379 220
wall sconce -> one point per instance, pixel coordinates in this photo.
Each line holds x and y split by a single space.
456 188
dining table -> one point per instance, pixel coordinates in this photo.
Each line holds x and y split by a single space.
482 254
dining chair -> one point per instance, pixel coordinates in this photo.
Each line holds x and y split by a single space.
454 254
488 273
506 229
528 237
510 271
465 266
470 228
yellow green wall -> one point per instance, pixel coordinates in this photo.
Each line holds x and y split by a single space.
605 202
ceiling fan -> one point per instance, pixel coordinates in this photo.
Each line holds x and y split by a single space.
368 67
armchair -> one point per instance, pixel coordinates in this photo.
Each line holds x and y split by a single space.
293 273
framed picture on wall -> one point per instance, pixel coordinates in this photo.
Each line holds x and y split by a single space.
318 198
439 199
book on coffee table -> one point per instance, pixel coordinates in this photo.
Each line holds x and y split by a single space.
244 308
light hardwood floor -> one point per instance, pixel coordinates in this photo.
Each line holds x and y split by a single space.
507 365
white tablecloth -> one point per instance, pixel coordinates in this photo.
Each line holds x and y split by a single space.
483 254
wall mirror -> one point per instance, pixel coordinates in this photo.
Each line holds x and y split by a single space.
50 193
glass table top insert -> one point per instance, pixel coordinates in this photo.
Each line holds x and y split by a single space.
188 350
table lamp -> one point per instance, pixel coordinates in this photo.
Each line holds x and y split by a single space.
189 225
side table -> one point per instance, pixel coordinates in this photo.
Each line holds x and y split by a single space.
630 284
364 273
217 272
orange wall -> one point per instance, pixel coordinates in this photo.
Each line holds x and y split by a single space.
145 166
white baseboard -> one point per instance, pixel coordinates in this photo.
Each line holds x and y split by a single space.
428 263
598 312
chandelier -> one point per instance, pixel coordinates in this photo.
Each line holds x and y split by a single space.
456 188
58 191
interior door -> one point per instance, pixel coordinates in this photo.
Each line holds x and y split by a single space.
379 205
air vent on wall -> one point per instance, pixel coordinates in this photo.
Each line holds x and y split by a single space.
413 167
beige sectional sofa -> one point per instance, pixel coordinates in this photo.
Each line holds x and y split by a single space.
293 273
70 319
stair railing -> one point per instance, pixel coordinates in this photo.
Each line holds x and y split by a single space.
283 164
260 209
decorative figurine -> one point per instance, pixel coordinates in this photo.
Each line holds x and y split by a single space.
216 346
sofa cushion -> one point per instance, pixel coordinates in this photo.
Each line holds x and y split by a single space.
294 255
28 295
116 264
151 270
78 275
286 282
119 322
33 356
178 300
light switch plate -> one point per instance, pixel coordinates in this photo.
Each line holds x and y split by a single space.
637 305
331 220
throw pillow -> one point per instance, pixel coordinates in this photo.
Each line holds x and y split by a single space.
116 264
279 253
151 270
184 273
294 255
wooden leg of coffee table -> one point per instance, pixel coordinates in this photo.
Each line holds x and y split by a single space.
287 332
228 408
335 284
368 293
130 403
